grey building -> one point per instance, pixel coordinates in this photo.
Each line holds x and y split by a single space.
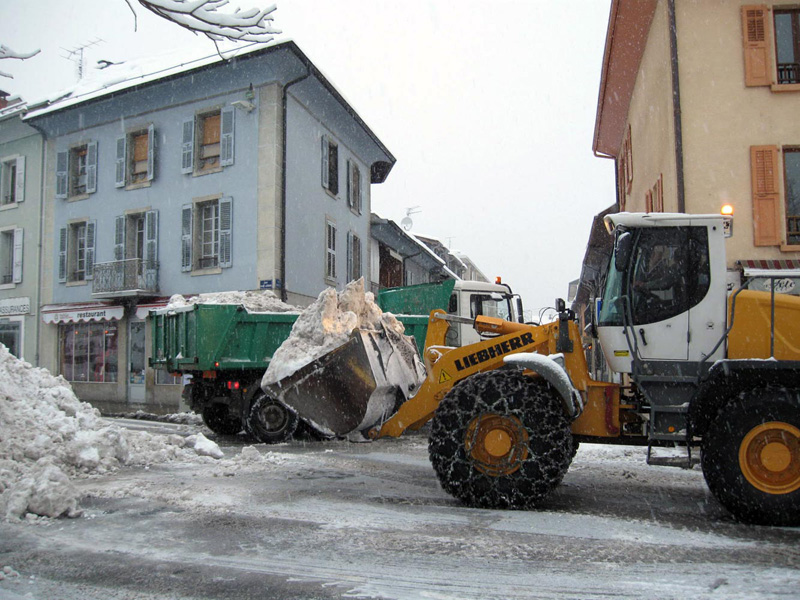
245 173
20 218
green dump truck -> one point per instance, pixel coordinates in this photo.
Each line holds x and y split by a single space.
225 349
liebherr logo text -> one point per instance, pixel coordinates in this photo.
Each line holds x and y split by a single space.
476 358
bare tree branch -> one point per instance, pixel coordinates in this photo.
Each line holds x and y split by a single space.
204 16
6 52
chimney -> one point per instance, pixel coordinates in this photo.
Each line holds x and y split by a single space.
3 99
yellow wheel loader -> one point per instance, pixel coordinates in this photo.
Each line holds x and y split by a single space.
701 366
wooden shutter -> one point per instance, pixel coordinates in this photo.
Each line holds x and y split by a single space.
350 261
91 167
151 236
119 237
17 258
62 175
766 195
187 147
648 201
120 161
19 192
62 254
151 152
325 182
756 28
186 238
91 234
226 137
225 232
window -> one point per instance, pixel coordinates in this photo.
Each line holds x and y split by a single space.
654 198
76 171
330 250
625 165
12 180
206 236
76 251
10 256
135 251
765 170
787 45
330 165
771 47
353 187
208 141
354 270
135 161
791 166
89 352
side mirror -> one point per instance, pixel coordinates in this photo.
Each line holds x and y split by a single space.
622 250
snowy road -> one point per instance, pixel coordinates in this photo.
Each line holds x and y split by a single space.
335 519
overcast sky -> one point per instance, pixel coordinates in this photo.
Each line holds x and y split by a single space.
489 108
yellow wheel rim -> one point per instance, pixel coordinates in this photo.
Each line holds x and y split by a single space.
769 457
497 444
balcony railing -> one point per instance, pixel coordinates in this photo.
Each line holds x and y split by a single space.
788 73
130 277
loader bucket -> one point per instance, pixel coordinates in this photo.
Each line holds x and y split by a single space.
353 387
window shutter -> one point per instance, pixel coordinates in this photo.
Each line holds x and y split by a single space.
325 167
91 232
757 48
17 264
122 153
151 152
119 237
350 256
62 170
349 183
19 192
62 255
151 237
766 195
225 231
187 147
91 167
186 238
226 137
359 190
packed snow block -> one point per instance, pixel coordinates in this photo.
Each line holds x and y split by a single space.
353 387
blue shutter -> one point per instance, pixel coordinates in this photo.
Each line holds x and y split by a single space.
186 238
151 152
19 192
187 147
122 153
119 237
325 167
91 167
151 249
225 232
91 233
226 136
17 258
62 255
62 173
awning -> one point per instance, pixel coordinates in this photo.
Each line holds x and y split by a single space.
142 310
82 312
761 273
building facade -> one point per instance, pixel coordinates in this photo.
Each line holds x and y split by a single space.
216 174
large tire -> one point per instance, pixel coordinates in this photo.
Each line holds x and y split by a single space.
501 440
270 421
219 420
751 456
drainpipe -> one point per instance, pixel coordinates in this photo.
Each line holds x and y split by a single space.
676 105
283 179
42 203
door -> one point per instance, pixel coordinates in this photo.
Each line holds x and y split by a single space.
136 361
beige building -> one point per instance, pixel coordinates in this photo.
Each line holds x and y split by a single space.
698 107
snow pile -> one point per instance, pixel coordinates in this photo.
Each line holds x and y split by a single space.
254 301
327 324
48 437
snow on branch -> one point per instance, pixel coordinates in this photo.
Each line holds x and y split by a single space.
6 52
205 16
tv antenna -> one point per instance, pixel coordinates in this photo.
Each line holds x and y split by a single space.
407 223
78 55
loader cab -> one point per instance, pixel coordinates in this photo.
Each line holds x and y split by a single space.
665 292
471 299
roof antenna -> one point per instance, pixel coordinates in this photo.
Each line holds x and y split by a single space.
77 55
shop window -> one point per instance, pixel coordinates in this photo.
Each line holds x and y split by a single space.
330 165
135 161
89 352
206 239
12 180
208 141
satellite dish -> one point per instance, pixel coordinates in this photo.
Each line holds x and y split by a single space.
407 223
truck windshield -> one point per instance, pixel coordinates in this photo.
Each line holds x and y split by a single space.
489 305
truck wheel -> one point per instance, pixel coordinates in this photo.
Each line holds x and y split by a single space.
751 457
500 440
219 420
270 421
